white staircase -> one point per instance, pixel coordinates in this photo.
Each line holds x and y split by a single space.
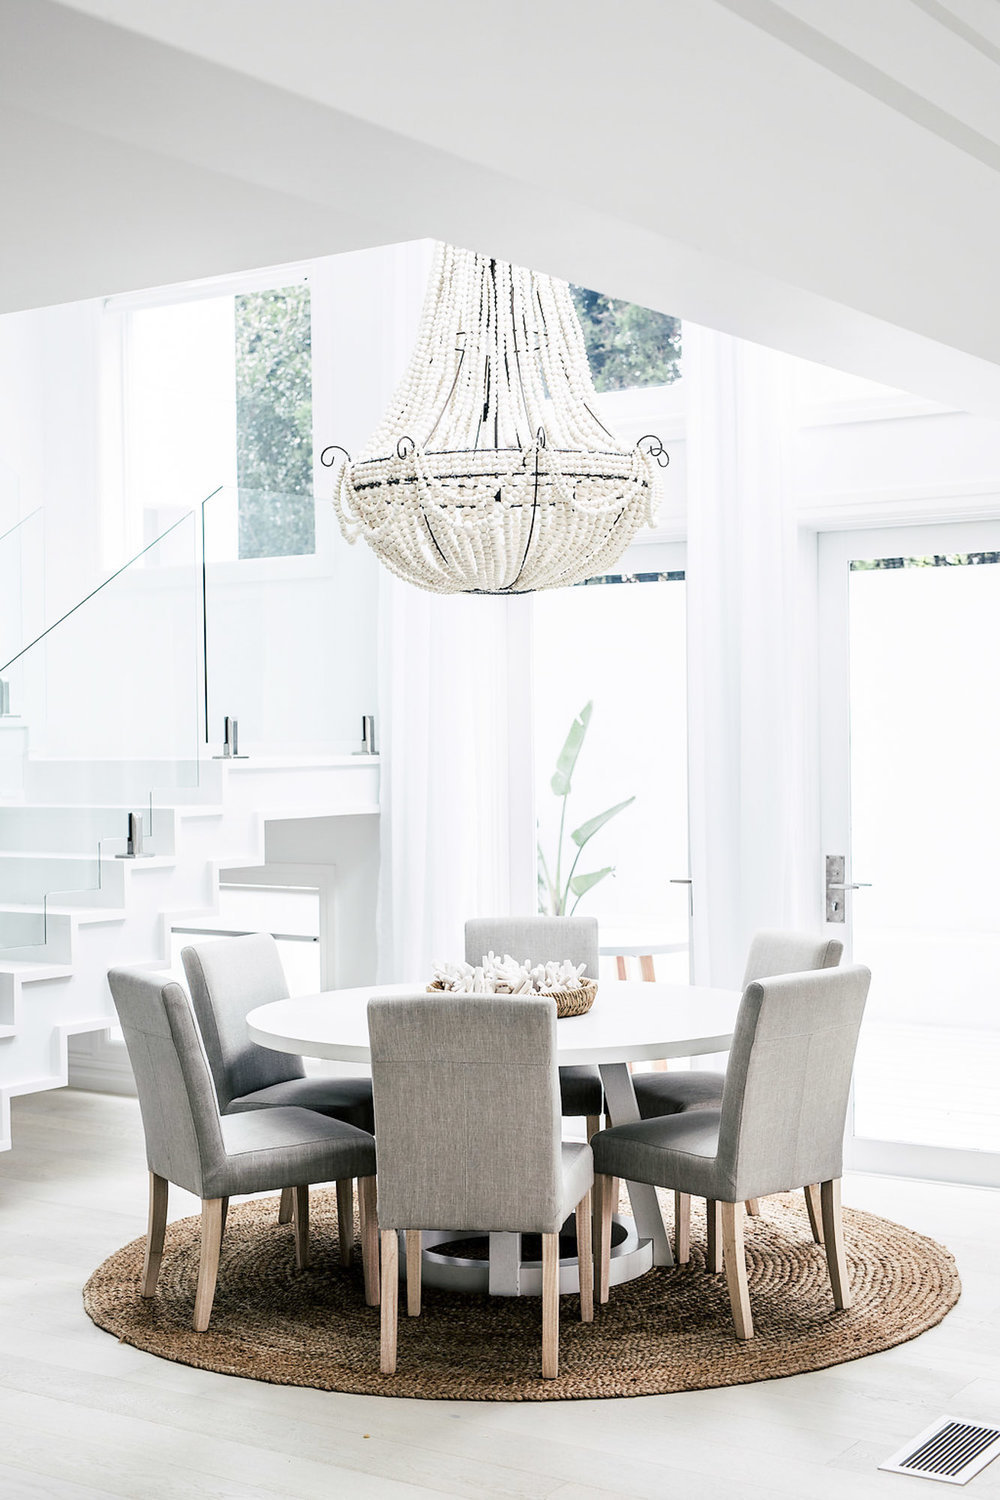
287 821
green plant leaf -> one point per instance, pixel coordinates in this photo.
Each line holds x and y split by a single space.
587 830
562 780
581 884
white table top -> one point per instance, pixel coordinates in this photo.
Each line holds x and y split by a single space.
630 1021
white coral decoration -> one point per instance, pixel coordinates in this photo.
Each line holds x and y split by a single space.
505 976
490 472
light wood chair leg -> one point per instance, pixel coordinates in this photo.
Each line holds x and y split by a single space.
647 968
713 1258
300 1218
604 1197
369 1238
593 1126
736 1268
752 1206
345 1218
414 1271
159 1187
682 1228
621 962
585 1258
814 1208
208 1268
285 1206
390 1288
550 1306
833 1238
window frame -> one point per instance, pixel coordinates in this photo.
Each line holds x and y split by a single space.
121 523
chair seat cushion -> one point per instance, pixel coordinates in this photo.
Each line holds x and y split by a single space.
673 1093
577 1175
347 1099
287 1147
671 1151
581 1091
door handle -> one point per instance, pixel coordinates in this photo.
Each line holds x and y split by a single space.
836 906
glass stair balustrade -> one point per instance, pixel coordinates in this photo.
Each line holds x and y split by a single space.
106 703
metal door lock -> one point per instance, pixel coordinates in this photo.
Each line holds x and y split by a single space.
836 902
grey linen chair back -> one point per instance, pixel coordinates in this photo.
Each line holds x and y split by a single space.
789 953
537 939
180 1115
228 978
467 1112
785 1098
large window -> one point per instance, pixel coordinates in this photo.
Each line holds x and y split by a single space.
627 346
217 391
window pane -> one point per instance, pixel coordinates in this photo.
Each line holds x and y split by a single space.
925 722
274 423
627 345
620 646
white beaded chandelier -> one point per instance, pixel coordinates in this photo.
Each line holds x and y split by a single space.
490 473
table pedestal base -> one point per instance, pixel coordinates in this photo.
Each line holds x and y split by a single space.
504 1274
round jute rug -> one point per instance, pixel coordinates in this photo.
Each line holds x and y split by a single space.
669 1330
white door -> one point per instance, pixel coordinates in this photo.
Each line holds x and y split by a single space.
910 723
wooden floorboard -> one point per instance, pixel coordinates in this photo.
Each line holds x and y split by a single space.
82 1416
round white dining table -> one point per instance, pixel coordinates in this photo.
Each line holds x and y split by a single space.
630 1021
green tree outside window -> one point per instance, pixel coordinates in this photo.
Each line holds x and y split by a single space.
274 423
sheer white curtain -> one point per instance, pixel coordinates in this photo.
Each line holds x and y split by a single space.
457 826
753 801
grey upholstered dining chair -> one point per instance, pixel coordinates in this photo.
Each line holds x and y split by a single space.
469 1138
675 1093
780 1125
217 1156
229 977
539 939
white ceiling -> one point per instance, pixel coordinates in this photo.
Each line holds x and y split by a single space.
821 175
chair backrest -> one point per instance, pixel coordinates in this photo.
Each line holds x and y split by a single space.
467 1113
537 939
229 977
789 953
180 1115
784 1103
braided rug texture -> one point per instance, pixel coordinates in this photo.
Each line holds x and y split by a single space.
670 1330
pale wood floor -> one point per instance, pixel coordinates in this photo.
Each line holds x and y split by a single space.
82 1416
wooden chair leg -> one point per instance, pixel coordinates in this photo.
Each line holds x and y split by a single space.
713 1258
208 1268
550 1306
159 1187
752 1207
682 1228
603 1203
414 1271
736 1268
285 1206
369 1238
621 962
585 1257
225 1216
593 1126
345 1218
814 1208
833 1238
390 1286
300 1218
647 968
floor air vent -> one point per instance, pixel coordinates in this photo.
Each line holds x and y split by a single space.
949 1450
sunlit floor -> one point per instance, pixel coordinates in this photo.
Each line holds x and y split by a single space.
83 1416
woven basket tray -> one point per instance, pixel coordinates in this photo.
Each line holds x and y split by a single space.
568 1002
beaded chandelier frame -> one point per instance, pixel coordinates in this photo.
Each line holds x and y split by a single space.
490 472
